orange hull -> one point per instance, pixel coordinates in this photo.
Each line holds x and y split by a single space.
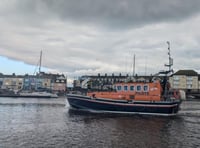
138 91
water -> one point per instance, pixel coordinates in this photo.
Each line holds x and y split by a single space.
50 123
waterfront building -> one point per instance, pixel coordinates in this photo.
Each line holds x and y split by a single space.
98 81
41 81
29 82
187 80
56 83
60 85
12 82
105 82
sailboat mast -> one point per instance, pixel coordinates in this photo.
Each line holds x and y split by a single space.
134 65
40 61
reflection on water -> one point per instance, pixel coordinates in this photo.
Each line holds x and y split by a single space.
132 130
51 123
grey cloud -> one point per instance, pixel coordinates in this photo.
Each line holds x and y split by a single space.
107 13
80 36
126 12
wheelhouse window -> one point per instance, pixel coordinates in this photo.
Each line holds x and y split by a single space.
146 88
125 88
132 88
138 88
119 88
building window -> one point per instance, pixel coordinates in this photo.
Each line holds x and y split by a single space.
175 83
189 81
189 86
176 86
189 78
176 78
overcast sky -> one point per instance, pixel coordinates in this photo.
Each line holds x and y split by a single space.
80 37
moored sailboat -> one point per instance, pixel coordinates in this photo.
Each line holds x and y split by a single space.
36 92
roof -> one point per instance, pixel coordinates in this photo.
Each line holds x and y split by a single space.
186 73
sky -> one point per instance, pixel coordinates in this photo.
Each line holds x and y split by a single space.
87 37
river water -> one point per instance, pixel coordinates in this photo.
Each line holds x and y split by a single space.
50 123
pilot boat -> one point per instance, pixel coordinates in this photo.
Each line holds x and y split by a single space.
154 97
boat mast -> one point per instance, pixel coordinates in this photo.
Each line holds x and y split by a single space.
40 61
134 65
166 95
170 64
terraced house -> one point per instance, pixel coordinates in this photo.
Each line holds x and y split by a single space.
188 80
42 81
13 82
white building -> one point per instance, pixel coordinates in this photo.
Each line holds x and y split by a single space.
186 80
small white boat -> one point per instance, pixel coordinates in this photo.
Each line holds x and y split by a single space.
38 95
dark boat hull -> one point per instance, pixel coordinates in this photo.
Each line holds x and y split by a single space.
131 107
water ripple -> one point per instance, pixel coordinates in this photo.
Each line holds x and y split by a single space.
51 123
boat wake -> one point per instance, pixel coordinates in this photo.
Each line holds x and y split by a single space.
194 113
